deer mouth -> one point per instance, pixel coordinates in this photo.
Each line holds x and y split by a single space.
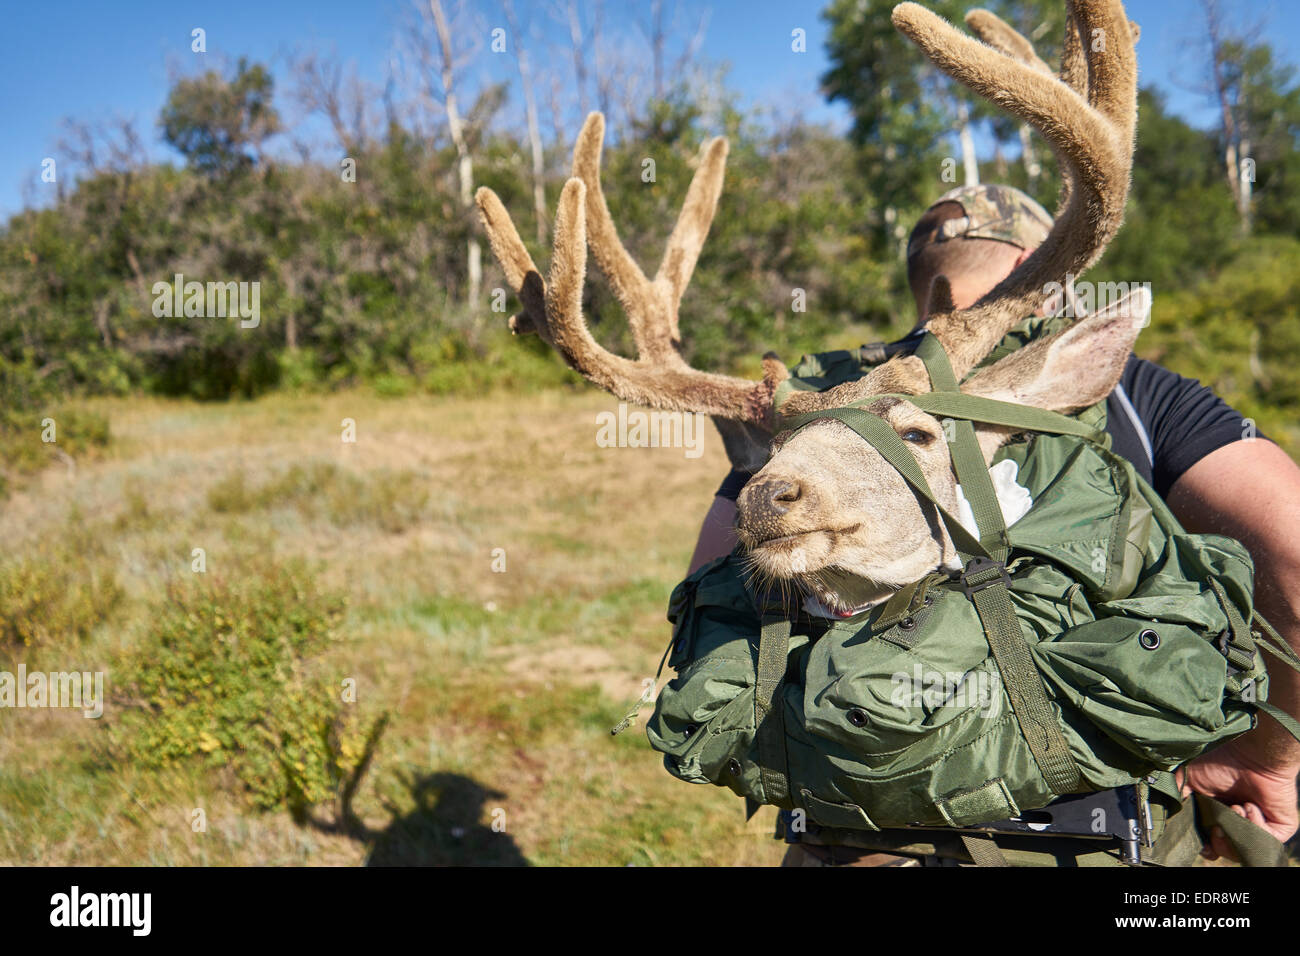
785 542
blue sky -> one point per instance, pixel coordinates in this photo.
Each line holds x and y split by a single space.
95 61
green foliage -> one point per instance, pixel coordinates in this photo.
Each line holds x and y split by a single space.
366 281
1239 332
28 400
214 122
1180 222
56 594
1269 99
900 106
230 674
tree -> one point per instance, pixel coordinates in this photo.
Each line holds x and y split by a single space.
530 112
1259 116
460 137
1178 214
219 125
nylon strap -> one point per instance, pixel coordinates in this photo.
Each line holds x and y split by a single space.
983 850
1272 642
991 411
1023 683
1291 725
987 588
769 710
1255 845
986 583
967 458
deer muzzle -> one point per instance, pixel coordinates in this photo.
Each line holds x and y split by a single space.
775 507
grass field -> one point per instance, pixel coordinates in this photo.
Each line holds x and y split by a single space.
502 686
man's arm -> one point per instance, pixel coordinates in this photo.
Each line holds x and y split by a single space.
717 534
1250 490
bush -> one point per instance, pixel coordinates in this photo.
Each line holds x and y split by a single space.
57 594
230 675
1239 331
27 400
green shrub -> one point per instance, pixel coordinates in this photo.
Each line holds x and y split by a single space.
59 593
230 675
27 401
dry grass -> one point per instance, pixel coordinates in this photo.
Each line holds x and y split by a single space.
502 685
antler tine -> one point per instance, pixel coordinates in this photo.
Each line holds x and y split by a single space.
1000 35
517 264
693 222
628 282
651 307
1092 137
554 309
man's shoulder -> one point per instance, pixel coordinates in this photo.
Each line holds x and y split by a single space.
1175 420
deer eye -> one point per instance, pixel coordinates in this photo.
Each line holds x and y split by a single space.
917 437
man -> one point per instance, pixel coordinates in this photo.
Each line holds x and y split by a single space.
1199 454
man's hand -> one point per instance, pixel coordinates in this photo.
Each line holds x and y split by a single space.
1264 796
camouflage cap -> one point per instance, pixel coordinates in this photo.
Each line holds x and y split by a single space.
992 212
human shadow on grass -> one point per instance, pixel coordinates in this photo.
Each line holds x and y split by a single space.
443 829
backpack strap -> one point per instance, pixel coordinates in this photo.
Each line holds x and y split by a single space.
769 708
1254 845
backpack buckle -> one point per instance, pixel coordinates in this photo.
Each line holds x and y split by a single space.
981 573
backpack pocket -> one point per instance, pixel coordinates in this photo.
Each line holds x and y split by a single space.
704 716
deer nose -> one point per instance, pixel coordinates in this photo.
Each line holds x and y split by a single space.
782 494
775 496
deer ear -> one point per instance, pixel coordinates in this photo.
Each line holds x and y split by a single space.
1073 369
940 296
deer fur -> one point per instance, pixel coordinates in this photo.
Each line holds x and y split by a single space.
826 511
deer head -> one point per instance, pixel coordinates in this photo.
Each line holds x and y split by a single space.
827 512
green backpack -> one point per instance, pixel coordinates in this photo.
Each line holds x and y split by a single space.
1092 645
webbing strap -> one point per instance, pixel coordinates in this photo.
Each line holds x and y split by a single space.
967 458
769 710
991 411
1254 845
1291 725
983 850
1023 683
1271 641
986 586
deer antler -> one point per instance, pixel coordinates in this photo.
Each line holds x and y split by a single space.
1088 118
659 377
1000 35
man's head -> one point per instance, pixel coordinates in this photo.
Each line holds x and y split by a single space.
974 236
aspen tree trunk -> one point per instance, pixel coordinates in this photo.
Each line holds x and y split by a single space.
465 162
530 111
970 164
1029 159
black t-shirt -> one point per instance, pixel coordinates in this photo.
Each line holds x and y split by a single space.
1158 420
